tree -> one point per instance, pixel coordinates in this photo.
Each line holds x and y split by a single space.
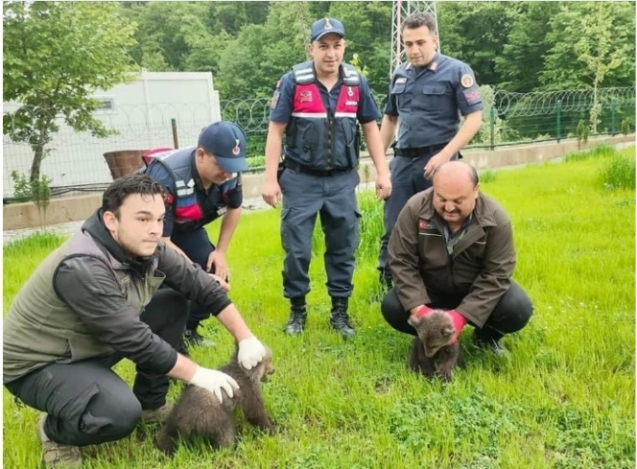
56 54
476 32
522 59
593 41
252 63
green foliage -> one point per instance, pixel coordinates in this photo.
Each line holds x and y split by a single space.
37 190
522 58
625 126
598 151
619 173
476 33
251 64
582 133
256 161
488 176
592 43
56 54
21 186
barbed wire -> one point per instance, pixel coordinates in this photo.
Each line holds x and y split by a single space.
76 159
539 103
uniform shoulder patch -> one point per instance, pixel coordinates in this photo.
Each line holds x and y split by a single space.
275 99
467 81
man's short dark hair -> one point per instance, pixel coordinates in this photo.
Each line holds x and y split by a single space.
418 19
121 188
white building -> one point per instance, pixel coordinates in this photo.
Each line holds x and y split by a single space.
141 112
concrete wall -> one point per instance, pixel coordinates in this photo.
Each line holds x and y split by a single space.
76 208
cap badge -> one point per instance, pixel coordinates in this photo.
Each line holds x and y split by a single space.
236 150
328 25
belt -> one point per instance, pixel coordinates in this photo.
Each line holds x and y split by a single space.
416 152
314 172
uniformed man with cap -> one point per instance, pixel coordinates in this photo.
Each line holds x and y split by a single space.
203 183
426 96
317 107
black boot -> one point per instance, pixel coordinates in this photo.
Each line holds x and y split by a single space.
340 319
489 339
298 316
192 337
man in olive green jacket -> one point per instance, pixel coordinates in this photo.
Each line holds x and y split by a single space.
452 249
96 300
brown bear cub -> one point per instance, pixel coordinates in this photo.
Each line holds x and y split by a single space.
432 351
198 412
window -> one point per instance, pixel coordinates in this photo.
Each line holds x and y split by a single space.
106 104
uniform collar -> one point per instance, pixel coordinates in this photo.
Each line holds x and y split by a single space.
339 81
431 66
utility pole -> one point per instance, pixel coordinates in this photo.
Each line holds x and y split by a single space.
401 9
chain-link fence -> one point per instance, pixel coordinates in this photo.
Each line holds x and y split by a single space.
75 160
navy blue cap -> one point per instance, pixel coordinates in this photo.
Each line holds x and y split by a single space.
227 142
326 26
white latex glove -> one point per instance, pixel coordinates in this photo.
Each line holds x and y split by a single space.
214 381
251 352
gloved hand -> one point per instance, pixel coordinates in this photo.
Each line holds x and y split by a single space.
251 352
459 321
214 381
423 311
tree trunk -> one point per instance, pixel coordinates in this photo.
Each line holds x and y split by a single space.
594 110
37 161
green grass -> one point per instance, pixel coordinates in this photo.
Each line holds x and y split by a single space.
563 398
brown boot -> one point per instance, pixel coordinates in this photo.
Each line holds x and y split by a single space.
158 415
56 455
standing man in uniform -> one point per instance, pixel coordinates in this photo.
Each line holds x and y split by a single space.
426 96
317 106
203 184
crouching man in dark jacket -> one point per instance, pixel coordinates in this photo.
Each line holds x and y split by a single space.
95 301
452 249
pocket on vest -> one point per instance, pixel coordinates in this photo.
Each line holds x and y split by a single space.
352 143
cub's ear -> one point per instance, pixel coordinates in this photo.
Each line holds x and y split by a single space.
447 331
414 321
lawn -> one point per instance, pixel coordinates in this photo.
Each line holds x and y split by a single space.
564 397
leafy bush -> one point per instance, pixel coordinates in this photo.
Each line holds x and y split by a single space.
619 173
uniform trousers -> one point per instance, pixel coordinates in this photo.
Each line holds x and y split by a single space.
333 199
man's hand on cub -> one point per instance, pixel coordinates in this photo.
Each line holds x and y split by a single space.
251 352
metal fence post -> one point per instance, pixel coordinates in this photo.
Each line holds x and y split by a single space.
613 116
492 127
559 120
175 137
